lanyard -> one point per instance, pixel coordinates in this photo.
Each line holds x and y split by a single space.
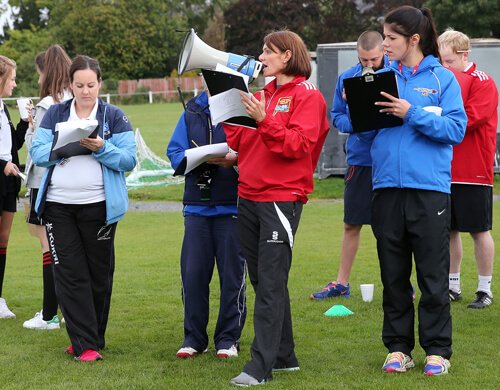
415 68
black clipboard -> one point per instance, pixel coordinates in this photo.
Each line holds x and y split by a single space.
218 82
362 92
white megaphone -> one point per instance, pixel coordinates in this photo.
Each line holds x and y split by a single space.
196 54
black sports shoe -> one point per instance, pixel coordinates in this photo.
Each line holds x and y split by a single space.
455 296
482 300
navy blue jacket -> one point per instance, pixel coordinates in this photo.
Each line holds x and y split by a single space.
194 125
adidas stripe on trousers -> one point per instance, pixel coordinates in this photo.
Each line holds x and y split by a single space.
267 231
82 248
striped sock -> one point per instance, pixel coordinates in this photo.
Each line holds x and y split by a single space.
49 293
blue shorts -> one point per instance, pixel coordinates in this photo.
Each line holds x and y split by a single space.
357 195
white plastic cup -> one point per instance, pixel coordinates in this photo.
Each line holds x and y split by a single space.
434 109
367 292
23 110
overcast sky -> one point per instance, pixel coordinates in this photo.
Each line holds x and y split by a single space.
4 14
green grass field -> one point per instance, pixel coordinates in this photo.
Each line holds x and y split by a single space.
145 328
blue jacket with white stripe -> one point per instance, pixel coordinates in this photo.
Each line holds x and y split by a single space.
117 156
418 153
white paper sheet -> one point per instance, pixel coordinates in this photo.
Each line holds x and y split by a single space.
22 176
226 105
197 156
73 131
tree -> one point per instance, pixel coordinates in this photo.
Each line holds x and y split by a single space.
127 38
248 21
27 14
214 33
200 13
373 11
339 21
22 46
476 18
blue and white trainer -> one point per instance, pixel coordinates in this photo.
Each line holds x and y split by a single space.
436 365
332 289
398 362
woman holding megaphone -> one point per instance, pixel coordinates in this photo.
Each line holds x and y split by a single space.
276 162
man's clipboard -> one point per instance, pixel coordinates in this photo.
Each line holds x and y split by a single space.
362 92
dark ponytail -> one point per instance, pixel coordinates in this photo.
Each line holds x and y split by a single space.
430 44
407 20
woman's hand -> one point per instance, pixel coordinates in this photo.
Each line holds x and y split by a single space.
93 144
11 169
226 162
255 108
396 107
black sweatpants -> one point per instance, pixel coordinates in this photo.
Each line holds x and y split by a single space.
409 222
267 231
82 248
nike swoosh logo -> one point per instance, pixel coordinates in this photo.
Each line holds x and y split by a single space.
441 212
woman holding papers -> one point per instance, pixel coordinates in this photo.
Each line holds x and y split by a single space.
276 163
210 236
81 199
411 182
52 66
11 140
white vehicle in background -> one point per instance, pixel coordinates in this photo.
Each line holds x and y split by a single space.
334 58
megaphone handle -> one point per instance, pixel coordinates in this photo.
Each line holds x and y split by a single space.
181 97
247 60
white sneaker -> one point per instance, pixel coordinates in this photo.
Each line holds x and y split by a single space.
38 323
4 310
227 353
187 352
245 380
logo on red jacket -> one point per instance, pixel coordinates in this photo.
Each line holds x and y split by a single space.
283 104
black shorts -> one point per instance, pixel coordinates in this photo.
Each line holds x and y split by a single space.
471 208
9 202
357 195
33 216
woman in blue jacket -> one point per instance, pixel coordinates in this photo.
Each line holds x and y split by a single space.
411 182
81 198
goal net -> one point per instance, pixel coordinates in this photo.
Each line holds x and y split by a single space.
150 169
